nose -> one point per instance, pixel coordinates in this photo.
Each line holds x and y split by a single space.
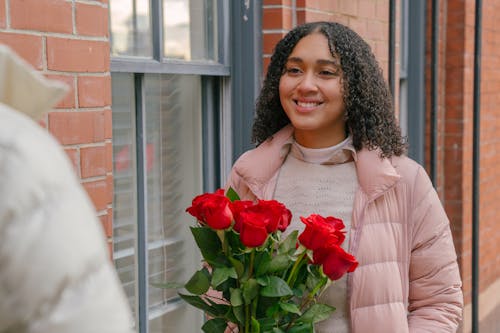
307 83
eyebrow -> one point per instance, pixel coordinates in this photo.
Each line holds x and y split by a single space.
320 61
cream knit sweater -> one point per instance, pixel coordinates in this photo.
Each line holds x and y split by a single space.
321 181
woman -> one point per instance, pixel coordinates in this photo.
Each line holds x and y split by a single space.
328 143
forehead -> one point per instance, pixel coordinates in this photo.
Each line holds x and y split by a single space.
312 47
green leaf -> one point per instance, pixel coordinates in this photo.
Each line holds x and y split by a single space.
263 280
238 312
276 287
232 195
272 310
238 266
301 328
221 274
255 325
199 282
277 330
250 290
316 313
287 246
211 308
215 325
261 267
278 263
208 242
267 324
290 307
236 297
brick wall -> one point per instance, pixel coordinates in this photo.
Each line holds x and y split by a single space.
458 139
68 40
490 143
369 18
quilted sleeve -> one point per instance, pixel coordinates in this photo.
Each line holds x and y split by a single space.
435 295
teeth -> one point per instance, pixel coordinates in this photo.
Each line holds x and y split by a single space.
307 104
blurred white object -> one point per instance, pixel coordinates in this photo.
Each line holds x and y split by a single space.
55 271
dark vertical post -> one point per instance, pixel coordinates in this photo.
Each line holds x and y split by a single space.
434 90
392 47
416 79
475 166
141 246
246 64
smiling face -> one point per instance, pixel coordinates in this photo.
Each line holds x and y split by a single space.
311 93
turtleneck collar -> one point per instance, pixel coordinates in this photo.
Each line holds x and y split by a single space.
340 153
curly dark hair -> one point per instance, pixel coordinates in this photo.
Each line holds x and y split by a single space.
368 106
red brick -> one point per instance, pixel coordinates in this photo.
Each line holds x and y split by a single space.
366 8
91 20
77 127
74 55
270 41
108 124
277 2
94 91
98 193
41 15
109 157
3 21
109 182
277 18
93 161
382 11
26 46
348 7
69 99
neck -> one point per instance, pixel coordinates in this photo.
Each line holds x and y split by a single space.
318 140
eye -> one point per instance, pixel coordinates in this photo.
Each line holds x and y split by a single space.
292 70
328 72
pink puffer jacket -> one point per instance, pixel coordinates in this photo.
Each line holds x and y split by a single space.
407 279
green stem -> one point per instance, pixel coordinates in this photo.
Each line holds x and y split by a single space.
247 317
313 292
222 237
295 268
252 259
247 306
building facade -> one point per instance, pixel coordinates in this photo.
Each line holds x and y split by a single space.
161 103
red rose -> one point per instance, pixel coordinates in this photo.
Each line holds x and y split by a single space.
253 230
212 209
237 207
286 218
320 231
275 213
336 262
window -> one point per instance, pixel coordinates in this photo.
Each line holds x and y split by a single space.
412 76
168 86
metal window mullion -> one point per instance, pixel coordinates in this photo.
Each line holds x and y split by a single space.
434 91
142 253
392 46
476 161
223 33
416 80
210 135
157 29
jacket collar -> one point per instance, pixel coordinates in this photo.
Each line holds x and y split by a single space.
258 166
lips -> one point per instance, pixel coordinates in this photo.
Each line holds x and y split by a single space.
304 106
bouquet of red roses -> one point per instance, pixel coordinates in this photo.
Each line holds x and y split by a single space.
254 279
